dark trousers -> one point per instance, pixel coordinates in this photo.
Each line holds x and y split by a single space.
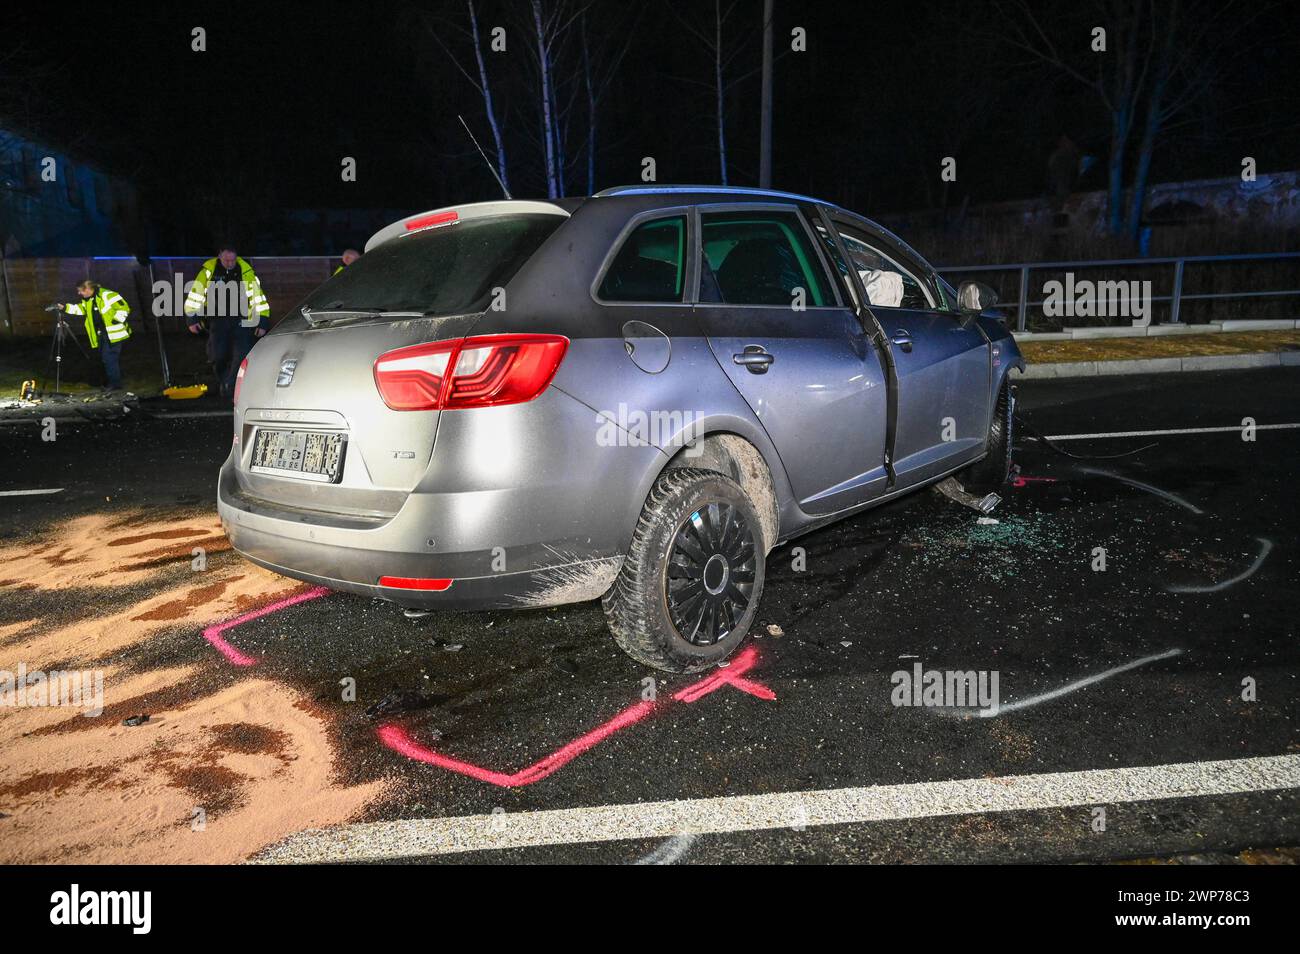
228 345
110 354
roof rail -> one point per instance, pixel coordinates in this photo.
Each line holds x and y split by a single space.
721 189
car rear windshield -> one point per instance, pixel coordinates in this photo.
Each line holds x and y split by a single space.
449 270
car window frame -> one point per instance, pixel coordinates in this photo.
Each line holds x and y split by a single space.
701 209
887 254
898 251
690 280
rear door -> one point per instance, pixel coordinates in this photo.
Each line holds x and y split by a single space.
943 366
793 350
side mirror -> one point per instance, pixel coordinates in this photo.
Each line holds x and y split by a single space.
975 297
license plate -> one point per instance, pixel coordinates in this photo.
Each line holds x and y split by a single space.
311 455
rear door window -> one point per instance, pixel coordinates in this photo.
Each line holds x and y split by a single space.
760 257
449 270
650 265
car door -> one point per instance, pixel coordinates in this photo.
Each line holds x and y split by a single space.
942 362
797 355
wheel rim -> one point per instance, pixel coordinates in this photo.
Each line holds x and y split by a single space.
710 573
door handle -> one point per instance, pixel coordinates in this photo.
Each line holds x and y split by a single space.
902 339
754 359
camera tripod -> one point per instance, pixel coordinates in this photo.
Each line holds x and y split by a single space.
62 330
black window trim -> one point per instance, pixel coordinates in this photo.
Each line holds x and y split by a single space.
689 280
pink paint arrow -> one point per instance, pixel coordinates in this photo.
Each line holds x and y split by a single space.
397 738
237 658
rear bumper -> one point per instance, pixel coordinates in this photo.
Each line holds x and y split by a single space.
493 575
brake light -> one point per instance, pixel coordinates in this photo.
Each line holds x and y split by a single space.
437 218
469 372
239 379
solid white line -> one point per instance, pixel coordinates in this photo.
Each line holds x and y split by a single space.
30 493
376 841
1177 430
1266 547
1072 686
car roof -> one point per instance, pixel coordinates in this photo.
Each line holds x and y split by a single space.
742 192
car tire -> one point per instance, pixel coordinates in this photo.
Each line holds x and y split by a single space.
696 553
991 473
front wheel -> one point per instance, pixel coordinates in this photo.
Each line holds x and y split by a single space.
992 472
689 588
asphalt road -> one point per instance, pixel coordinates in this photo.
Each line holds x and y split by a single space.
503 735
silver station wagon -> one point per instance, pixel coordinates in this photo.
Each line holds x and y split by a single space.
631 397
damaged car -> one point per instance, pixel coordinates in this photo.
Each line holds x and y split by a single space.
631 397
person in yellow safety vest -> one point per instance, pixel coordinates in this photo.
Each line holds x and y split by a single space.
228 297
349 256
105 312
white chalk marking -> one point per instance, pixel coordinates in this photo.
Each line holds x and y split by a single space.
1173 498
377 841
1072 686
1266 547
30 493
670 852
1235 428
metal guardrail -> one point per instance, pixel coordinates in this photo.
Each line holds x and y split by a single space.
1177 297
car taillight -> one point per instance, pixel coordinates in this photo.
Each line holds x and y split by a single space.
239 378
469 372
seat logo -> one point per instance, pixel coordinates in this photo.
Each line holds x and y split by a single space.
285 377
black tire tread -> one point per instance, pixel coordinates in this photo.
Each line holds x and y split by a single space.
637 580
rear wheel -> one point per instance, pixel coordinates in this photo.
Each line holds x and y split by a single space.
689 588
994 470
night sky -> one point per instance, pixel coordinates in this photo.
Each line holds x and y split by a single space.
285 90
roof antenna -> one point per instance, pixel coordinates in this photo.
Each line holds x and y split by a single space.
491 168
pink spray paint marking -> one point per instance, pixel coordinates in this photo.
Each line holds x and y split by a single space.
1022 480
397 738
236 658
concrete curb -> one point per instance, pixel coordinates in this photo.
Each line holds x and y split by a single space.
1201 362
1129 331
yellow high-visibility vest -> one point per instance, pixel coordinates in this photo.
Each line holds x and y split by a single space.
113 310
196 300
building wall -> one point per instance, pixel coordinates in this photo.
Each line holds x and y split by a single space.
52 203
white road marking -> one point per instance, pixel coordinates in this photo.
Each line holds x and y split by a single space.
30 493
1266 547
1069 687
1237 428
376 841
171 415
1173 498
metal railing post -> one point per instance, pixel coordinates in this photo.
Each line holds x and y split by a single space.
1178 292
1022 300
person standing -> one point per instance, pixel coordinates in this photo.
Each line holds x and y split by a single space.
227 294
105 312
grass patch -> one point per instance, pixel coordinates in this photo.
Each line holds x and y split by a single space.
1160 346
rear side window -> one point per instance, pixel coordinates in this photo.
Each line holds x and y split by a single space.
448 270
650 266
761 257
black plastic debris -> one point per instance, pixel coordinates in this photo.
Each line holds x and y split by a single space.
140 719
402 700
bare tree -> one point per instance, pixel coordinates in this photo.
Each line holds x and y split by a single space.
1159 59
479 82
